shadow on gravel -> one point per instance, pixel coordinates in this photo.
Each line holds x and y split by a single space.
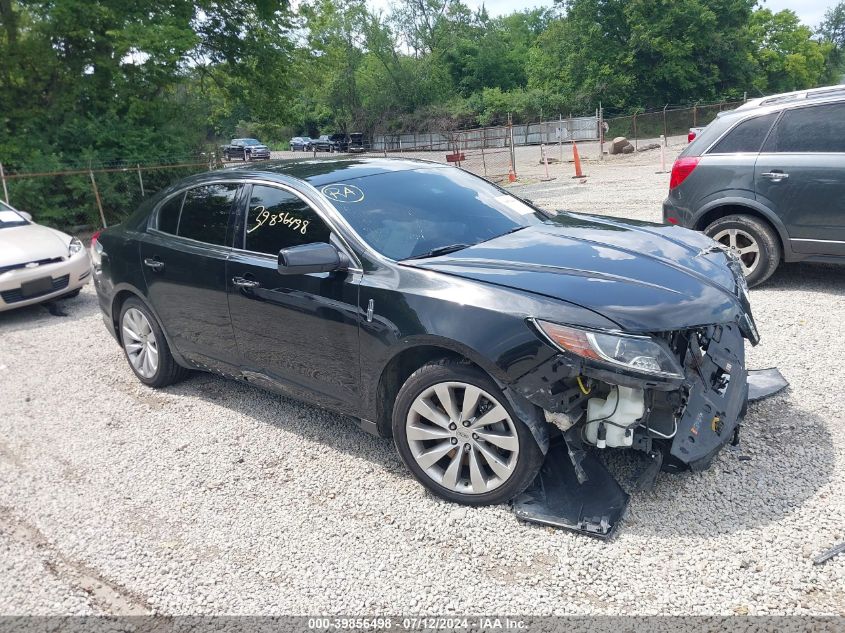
785 456
82 306
827 278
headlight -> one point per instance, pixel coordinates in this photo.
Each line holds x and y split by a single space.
74 247
638 353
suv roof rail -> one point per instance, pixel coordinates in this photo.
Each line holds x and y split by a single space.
786 97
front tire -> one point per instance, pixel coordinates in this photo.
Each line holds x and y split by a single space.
146 348
753 240
458 435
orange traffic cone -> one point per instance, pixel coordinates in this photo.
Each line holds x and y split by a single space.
511 174
577 159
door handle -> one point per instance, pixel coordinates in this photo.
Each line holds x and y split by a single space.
245 283
775 176
156 264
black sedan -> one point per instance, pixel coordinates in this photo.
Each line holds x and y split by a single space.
437 308
300 143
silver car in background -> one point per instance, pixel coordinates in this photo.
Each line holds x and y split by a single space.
37 263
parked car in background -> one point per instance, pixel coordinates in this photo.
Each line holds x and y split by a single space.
246 149
37 263
300 143
356 143
435 307
324 144
767 180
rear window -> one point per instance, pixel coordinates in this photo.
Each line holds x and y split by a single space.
748 136
811 129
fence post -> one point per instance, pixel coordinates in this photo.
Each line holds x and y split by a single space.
635 130
97 197
483 160
601 132
695 114
510 140
141 181
3 178
665 130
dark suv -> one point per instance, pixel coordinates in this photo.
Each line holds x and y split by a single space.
768 181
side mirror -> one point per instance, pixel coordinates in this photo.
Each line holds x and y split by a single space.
318 257
26 215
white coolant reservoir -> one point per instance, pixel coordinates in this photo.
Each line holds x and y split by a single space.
622 408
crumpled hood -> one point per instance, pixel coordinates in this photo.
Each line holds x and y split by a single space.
645 277
33 242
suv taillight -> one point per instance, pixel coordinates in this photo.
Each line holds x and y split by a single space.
681 169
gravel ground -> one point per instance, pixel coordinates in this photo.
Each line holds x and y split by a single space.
213 497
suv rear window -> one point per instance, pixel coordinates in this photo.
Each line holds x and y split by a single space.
811 129
748 136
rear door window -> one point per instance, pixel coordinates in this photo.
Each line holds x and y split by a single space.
206 211
747 137
810 129
168 214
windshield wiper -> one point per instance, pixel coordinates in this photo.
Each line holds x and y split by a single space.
440 250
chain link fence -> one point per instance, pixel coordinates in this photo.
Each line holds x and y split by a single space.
667 122
83 198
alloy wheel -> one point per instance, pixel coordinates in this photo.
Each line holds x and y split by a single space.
140 343
744 245
462 438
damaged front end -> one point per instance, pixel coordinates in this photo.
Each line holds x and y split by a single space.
678 397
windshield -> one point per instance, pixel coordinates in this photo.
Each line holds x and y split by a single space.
10 217
404 214
247 141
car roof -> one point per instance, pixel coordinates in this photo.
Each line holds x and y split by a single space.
321 171
796 97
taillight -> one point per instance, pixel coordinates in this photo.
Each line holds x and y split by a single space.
96 250
681 169
690 136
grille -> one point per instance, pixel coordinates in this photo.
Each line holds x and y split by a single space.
13 296
40 262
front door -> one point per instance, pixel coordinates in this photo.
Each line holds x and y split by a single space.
800 175
296 333
184 262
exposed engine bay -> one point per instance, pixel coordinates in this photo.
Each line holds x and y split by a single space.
679 421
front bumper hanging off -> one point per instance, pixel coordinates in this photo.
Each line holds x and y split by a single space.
575 491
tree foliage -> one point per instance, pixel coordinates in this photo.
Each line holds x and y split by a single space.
101 80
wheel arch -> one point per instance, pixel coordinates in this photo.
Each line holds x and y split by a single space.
723 208
126 291
411 357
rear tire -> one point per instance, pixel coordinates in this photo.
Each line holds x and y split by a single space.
475 464
137 331
754 241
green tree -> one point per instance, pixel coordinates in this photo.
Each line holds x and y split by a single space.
785 55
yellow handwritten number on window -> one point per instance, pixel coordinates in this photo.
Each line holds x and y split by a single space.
271 219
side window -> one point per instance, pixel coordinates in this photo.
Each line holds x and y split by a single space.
277 219
205 214
748 136
811 129
168 214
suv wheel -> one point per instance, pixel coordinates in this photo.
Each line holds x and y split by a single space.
458 435
754 241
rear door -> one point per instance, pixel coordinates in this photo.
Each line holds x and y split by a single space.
800 175
183 256
296 333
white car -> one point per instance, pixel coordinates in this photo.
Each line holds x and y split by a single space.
37 263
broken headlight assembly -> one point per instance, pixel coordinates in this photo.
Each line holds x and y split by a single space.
641 354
